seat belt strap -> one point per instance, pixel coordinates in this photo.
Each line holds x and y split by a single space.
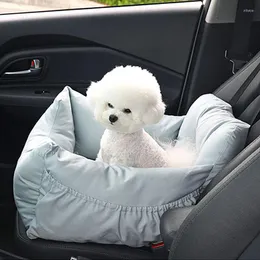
244 86
238 52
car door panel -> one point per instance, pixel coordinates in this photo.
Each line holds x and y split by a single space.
76 67
80 46
161 33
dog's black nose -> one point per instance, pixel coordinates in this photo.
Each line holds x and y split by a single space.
113 118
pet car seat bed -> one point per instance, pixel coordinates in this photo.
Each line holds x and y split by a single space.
62 194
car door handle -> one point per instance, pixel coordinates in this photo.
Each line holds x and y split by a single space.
34 69
22 72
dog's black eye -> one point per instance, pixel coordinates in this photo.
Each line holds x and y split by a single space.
111 106
127 111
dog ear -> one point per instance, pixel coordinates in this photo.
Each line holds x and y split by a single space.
154 114
92 94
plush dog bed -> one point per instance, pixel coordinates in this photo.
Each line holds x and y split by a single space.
63 194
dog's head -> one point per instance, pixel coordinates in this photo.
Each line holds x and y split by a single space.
126 99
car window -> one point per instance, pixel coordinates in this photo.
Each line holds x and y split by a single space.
17 6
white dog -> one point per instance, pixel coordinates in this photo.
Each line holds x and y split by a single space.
124 101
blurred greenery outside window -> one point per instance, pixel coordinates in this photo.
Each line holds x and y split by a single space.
136 2
18 6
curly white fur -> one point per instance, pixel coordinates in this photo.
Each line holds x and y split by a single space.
124 101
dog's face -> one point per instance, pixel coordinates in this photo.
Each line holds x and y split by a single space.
120 118
126 99
120 114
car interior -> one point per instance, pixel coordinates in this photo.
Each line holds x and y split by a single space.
193 48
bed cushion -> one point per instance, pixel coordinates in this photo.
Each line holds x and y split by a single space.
63 194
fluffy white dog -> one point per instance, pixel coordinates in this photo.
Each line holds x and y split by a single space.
124 101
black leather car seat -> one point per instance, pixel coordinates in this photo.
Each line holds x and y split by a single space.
225 222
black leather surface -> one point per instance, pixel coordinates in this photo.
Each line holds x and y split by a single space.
227 90
171 222
233 164
180 229
225 221
252 112
254 132
246 108
43 249
4 255
252 252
